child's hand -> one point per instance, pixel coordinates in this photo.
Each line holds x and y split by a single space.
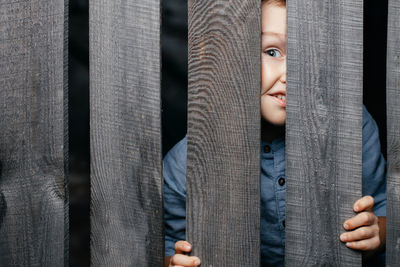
180 259
366 234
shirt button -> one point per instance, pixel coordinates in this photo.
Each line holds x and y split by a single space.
283 223
281 181
267 149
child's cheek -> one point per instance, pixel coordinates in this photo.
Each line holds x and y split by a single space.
264 104
271 112
265 86
267 80
264 107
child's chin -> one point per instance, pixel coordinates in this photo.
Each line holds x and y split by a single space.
279 123
275 121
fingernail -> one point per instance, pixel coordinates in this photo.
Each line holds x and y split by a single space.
346 226
187 247
348 244
356 208
197 262
343 237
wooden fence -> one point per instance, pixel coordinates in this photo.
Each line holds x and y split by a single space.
33 133
324 121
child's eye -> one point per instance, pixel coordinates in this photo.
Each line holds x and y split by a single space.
273 52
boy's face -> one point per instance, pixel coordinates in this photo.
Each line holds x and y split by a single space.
273 64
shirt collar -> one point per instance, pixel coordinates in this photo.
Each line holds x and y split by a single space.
276 144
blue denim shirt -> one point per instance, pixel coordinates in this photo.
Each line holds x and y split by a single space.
273 188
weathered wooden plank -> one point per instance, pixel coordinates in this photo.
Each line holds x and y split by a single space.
126 180
393 134
324 123
223 164
33 133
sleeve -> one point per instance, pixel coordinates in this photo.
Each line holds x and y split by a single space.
373 165
175 195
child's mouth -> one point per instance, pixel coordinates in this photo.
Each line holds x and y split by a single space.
280 99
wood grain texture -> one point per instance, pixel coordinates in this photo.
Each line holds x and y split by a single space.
393 135
223 164
33 133
126 177
324 129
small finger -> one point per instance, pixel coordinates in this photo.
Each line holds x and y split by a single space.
360 234
367 244
364 204
184 260
361 219
182 247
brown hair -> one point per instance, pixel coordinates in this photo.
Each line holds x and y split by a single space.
278 2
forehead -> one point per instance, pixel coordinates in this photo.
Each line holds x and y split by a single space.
273 18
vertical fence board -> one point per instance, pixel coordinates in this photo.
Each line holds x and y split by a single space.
324 123
223 198
126 210
33 133
393 134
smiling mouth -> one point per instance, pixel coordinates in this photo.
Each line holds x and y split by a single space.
279 99
282 97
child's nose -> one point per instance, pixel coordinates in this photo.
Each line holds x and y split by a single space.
283 77
283 74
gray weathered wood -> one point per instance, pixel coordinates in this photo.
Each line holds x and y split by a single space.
393 135
33 133
324 123
126 180
223 165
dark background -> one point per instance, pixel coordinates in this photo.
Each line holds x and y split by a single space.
174 97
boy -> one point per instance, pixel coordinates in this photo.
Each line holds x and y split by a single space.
365 231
